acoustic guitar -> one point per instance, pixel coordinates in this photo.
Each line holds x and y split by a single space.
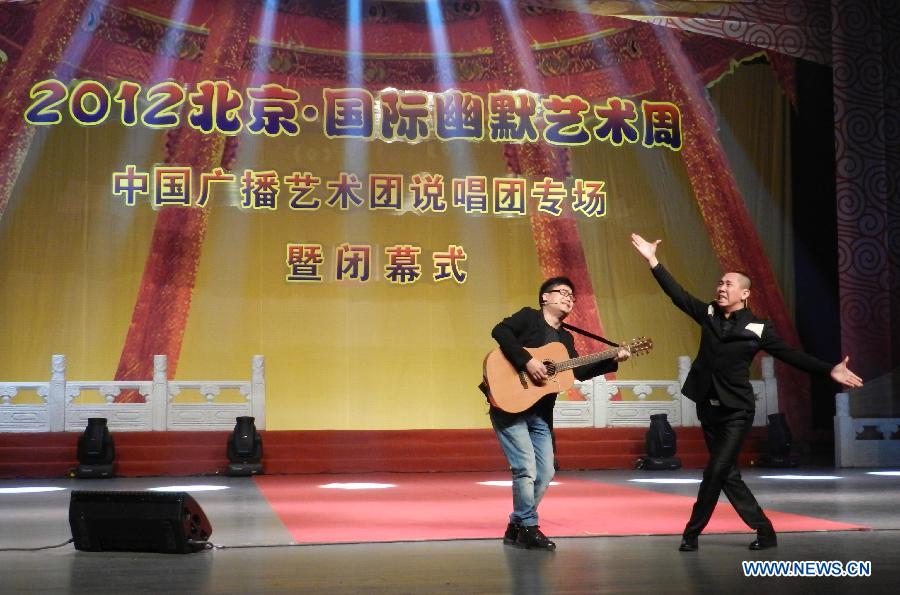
514 391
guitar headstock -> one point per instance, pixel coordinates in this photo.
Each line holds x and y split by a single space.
639 346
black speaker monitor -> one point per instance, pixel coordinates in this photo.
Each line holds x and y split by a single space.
164 522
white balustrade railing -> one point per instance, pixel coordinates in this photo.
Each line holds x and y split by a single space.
864 441
59 408
25 417
651 397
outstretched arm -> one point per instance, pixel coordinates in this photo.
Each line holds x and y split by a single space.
840 373
681 298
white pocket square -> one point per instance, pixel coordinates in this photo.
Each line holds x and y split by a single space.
756 328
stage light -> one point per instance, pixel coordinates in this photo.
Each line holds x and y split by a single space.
661 445
506 483
663 480
31 490
188 488
96 451
802 477
357 486
778 445
244 449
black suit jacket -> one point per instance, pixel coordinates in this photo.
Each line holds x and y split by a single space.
722 367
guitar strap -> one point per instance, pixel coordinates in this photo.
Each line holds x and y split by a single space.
589 334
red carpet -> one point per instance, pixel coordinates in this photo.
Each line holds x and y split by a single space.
430 506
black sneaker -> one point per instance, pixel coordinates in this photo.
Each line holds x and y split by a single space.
512 532
531 538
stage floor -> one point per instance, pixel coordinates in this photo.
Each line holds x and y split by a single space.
260 536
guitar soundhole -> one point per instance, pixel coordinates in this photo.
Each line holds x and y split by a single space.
551 368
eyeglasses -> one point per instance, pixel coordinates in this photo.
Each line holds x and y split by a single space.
564 293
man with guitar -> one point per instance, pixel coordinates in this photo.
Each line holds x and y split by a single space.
719 383
525 434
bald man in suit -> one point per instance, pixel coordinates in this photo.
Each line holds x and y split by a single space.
719 383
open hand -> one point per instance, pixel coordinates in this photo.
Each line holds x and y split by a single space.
645 248
842 374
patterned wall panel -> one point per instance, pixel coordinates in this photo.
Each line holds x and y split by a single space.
798 28
866 67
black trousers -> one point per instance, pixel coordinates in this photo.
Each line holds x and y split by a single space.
724 430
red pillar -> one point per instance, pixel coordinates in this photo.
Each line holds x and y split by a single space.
164 298
53 28
731 230
556 239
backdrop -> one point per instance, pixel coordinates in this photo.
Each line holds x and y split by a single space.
374 355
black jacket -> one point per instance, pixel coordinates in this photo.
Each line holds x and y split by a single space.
722 367
527 328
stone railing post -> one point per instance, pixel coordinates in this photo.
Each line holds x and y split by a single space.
843 431
258 391
771 385
159 393
56 396
600 401
688 410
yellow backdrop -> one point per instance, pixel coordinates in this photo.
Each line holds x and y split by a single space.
374 356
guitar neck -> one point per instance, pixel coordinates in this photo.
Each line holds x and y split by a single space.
586 359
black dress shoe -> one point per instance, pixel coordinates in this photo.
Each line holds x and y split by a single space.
689 544
764 541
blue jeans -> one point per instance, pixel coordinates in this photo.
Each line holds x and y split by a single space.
528 445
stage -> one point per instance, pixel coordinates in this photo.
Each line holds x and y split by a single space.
440 532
